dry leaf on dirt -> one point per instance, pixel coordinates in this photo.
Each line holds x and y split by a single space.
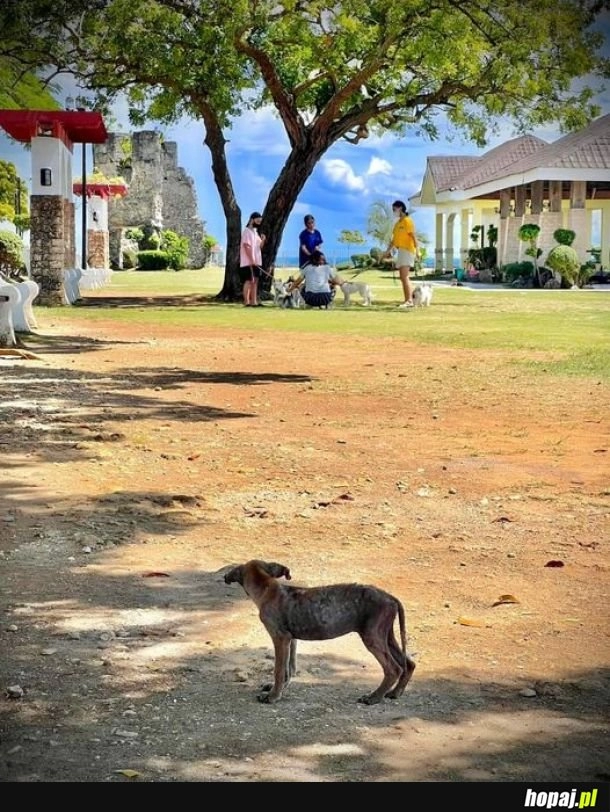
554 563
128 773
506 599
471 621
155 575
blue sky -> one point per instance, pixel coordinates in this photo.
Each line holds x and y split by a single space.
344 184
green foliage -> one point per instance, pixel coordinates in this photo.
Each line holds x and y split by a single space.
483 258
14 198
376 254
177 249
153 260
563 259
344 266
516 270
151 239
11 254
208 243
351 237
529 232
380 222
135 234
330 71
361 260
564 236
19 90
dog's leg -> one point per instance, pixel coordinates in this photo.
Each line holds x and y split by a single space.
375 638
291 668
282 662
400 654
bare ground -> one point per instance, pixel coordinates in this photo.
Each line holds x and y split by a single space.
136 467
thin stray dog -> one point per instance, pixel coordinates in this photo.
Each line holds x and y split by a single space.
422 295
356 287
291 613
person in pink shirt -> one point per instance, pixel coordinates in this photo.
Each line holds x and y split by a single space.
251 259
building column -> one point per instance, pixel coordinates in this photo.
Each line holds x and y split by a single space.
448 253
503 252
465 229
98 253
577 218
438 242
52 217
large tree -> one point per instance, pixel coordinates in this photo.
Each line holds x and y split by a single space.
331 70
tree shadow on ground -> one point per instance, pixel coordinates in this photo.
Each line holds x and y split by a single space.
41 344
143 673
51 412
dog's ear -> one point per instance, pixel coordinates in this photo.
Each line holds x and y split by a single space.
235 575
278 570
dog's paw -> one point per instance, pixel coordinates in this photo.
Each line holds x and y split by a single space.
369 699
267 698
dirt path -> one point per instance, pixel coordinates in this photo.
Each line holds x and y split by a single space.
137 468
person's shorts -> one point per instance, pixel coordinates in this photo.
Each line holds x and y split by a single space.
246 273
404 258
317 299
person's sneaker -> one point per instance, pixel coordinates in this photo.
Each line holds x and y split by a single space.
406 304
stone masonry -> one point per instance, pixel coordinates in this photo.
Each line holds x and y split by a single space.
49 246
160 192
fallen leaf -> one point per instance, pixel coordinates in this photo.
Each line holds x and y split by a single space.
502 519
346 497
554 563
505 599
155 575
468 621
128 773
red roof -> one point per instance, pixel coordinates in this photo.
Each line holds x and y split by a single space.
101 189
80 126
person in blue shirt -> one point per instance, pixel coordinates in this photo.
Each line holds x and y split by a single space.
309 240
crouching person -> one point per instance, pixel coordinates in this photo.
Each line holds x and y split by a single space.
316 281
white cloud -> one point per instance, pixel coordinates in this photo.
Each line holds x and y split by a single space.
340 173
379 166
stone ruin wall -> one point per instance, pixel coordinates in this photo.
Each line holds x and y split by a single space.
160 192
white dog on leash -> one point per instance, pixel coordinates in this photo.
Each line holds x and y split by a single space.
349 288
422 295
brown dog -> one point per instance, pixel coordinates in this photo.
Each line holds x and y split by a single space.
291 613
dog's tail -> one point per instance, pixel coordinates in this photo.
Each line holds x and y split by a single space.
403 630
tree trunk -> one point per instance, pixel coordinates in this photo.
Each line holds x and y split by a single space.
215 141
282 197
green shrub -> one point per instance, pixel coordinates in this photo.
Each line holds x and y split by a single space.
11 254
135 234
483 257
130 259
177 249
153 260
564 236
376 254
151 239
563 259
515 270
344 266
361 260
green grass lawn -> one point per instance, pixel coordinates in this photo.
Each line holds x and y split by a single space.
570 328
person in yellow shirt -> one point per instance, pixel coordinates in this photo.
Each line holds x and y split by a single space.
404 241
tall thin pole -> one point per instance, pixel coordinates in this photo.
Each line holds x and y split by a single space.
83 261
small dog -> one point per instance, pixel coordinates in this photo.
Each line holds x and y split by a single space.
291 613
362 288
422 295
